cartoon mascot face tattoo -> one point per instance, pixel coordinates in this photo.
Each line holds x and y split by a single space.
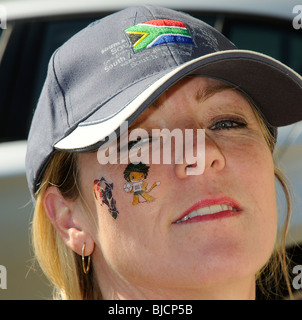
135 174
103 192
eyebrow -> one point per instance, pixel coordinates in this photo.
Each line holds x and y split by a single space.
203 95
200 96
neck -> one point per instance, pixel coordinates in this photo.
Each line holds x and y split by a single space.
115 287
121 290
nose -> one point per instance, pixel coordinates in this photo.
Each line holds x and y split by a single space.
212 159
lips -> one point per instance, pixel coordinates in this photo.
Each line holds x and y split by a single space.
210 209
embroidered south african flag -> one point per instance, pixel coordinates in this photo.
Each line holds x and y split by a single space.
156 32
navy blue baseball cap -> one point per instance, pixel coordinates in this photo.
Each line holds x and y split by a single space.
112 70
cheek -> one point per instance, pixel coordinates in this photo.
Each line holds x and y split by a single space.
248 157
112 211
254 172
255 168
122 242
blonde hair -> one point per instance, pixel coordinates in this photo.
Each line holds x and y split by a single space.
63 267
269 277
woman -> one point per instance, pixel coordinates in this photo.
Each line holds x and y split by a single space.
137 230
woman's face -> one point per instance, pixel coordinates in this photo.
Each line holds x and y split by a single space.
151 244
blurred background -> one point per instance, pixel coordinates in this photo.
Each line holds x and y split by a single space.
34 29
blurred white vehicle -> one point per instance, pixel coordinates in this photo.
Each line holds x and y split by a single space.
36 28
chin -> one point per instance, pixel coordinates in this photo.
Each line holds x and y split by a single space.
218 265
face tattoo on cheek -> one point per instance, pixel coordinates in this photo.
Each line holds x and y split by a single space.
135 174
103 192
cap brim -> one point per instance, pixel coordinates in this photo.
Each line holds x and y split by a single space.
275 89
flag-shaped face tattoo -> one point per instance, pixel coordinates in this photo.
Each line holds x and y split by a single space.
156 32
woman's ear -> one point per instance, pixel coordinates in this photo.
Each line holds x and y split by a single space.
62 214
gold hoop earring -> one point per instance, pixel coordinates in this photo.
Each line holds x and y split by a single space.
85 268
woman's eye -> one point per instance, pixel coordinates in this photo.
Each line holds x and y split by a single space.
132 143
138 143
228 124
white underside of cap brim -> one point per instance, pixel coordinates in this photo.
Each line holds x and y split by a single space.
87 135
